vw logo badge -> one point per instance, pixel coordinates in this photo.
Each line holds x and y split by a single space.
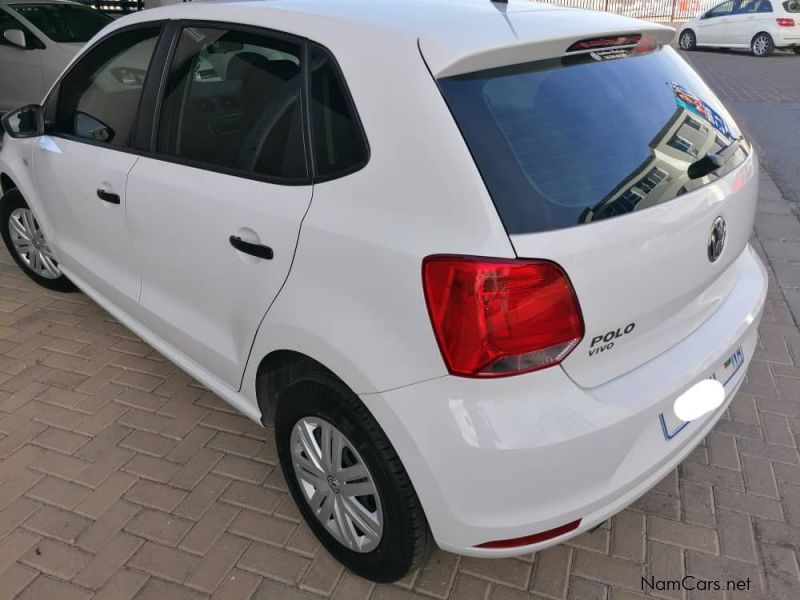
716 241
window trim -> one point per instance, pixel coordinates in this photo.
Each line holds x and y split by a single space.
145 128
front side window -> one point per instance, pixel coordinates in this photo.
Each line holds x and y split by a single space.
721 10
233 101
64 23
99 98
339 145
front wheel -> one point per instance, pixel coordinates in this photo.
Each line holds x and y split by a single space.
687 40
27 245
762 45
348 482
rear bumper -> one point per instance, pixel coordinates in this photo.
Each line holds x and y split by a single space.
507 458
786 39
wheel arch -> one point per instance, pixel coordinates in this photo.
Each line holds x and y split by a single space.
762 32
278 370
6 183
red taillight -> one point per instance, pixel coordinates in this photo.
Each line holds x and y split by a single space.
605 42
532 539
494 317
785 22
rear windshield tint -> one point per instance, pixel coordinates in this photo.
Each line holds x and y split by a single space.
570 141
792 6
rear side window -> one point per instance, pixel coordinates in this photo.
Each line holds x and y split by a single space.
561 143
233 101
339 145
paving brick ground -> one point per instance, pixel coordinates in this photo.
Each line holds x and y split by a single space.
122 478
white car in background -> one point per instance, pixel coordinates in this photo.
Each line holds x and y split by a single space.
467 258
761 25
37 40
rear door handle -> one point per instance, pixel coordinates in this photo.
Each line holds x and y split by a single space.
259 250
110 197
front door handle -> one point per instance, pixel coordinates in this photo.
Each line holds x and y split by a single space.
110 197
259 250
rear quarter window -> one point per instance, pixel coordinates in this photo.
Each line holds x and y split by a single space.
561 143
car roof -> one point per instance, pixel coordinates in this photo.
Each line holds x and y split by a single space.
455 36
413 17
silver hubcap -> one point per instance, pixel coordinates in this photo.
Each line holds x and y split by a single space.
686 41
30 244
760 45
336 484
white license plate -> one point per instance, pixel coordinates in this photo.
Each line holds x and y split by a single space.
671 425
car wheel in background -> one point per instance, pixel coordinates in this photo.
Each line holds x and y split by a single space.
347 480
762 45
797 50
27 245
687 40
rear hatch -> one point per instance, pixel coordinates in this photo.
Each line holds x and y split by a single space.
790 22
583 129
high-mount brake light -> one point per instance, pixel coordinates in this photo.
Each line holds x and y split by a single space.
495 317
605 42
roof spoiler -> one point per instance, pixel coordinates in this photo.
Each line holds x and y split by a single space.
519 36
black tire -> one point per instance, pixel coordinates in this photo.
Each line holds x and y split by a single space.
406 538
687 40
796 49
762 45
11 201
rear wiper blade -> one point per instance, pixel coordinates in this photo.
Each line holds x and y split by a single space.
713 160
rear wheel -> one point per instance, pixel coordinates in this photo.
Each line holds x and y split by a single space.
27 245
347 480
797 49
762 45
687 40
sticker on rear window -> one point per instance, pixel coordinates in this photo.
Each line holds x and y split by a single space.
695 105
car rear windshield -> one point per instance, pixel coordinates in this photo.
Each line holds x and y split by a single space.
64 23
792 6
569 141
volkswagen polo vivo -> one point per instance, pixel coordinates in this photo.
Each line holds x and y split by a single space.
464 256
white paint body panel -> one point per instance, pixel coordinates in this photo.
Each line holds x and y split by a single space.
27 74
490 459
738 30
91 236
202 295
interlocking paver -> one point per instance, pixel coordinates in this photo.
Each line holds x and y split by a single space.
121 476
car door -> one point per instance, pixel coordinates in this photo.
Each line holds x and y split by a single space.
746 21
712 29
20 68
214 214
82 165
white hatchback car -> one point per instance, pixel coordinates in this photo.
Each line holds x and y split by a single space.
37 40
470 259
761 25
